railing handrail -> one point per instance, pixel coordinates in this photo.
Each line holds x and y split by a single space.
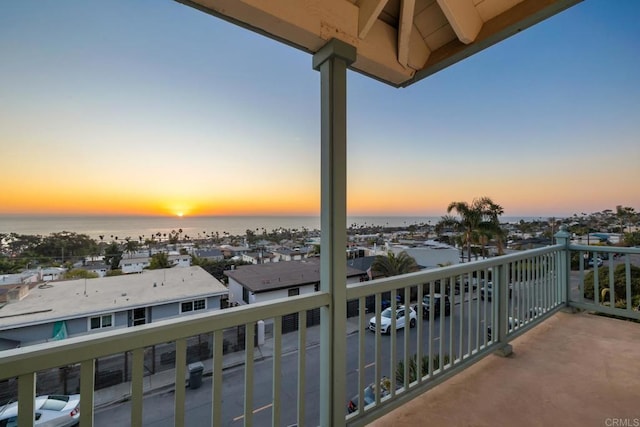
92 346
608 249
357 290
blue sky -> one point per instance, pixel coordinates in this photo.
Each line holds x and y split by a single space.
155 107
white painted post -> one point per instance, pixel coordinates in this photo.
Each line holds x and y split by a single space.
501 290
564 265
332 62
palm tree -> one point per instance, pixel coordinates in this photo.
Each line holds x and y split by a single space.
474 219
394 265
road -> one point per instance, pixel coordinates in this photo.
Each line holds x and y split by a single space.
158 408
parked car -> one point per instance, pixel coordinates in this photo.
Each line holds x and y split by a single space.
466 286
386 303
50 411
385 319
512 323
437 303
369 395
598 261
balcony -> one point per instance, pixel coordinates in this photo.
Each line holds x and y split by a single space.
569 363
573 369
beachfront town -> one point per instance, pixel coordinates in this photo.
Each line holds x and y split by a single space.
66 284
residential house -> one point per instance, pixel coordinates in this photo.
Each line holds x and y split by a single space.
136 265
209 254
50 274
260 257
51 311
249 284
429 254
287 254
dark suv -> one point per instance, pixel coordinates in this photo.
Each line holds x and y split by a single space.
437 303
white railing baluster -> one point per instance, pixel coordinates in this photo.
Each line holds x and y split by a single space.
441 328
137 375
216 374
452 353
627 275
248 374
463 353
393 342
362 330
87 387
431 329
26 399
420 331
378 356
407 334
180 373
478 317
612 288
302 357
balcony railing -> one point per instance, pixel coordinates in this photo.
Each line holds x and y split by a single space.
490 303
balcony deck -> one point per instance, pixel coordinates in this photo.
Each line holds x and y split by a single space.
573 369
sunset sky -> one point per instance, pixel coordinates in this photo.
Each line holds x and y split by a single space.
140 107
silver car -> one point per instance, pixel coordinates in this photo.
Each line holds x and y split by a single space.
50 411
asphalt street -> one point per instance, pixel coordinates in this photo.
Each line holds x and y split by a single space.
158 408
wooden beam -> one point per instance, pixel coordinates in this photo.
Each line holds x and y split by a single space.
405 27
369 12
463 17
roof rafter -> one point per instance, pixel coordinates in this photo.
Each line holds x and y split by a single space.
405 28
369 12
398 42
463 17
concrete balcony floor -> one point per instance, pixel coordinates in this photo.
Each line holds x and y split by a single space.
572 370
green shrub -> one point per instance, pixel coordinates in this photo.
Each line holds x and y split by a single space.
413 367
619 284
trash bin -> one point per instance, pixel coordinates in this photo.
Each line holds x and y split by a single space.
195 374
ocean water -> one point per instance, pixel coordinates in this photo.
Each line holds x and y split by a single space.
146 226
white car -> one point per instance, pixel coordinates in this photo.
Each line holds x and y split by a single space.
401 318
52 410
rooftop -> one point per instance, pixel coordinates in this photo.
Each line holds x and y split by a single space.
74 298
278 275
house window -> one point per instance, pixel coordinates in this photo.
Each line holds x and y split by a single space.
99 322
294 291
139 316
195 305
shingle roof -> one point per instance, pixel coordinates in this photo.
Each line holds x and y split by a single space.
279 275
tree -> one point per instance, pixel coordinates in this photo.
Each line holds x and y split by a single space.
78 273
113 255
131 246
474 219
394 265
159 260
632 239
624 214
